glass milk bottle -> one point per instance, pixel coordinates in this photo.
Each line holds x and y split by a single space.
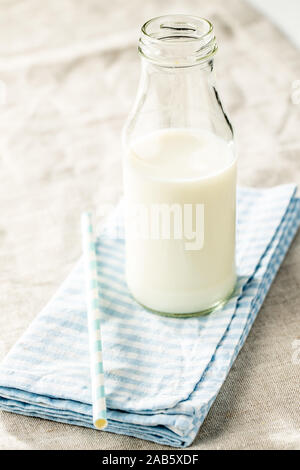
179 169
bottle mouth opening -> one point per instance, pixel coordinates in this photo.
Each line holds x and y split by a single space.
177 40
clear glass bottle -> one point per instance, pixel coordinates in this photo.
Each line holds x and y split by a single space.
179 174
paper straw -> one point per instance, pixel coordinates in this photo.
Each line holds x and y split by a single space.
94 322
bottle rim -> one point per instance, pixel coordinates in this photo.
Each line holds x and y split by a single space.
177 40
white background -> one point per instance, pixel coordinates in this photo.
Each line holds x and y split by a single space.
284 13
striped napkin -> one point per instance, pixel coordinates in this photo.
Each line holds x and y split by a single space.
161 374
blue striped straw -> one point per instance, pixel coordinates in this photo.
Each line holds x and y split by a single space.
94 322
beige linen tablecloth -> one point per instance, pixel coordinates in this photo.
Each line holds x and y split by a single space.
69 71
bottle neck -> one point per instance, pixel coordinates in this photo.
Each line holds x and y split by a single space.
177 86
178 93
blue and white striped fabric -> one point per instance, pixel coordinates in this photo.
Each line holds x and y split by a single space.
161 374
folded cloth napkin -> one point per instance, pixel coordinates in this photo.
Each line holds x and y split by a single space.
162 374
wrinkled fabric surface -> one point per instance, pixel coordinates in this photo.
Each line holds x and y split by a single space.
69 72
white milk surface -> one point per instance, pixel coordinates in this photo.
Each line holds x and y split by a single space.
182 167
